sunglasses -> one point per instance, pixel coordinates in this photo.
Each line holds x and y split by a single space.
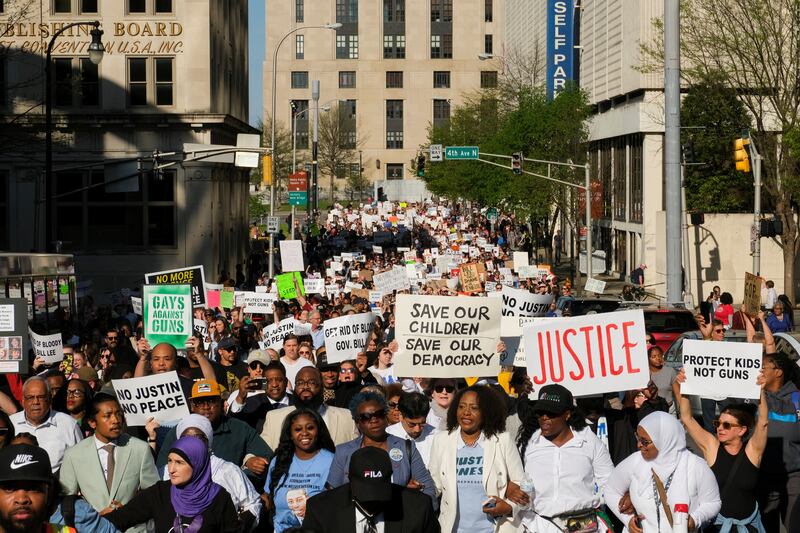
375 415
257 364
392 405
719 331
449 389
725 425
347 370
3 431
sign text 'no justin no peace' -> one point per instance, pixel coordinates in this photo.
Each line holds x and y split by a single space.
159 396
447 336
518 302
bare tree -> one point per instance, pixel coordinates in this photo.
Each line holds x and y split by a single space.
338 145
282 156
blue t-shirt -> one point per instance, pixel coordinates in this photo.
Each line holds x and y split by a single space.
470 517
304 480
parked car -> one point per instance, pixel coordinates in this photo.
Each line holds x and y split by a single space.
666 325
590 306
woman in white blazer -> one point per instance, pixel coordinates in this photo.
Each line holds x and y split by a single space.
473 462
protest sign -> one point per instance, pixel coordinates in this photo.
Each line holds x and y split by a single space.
520 259
212 299
591 354
375 296
377 249
470 280
136 303
48 347
14 342
314 285
288 284
200 326
752 293
274 333
302 328
159 396
517 302
511 334
292 256
393 280
447 336
595 285
168 314
256 302
182 276
226 298
365 274
721 369
346 336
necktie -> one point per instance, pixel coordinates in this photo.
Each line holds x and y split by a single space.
110 469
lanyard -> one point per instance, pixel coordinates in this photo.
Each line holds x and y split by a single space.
657 498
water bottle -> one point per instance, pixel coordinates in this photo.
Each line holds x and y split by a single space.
526 486
680 518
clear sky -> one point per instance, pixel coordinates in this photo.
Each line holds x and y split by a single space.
257 31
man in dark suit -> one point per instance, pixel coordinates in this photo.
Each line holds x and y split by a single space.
370 503
260 392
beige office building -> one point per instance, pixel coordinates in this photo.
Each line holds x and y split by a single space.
398 66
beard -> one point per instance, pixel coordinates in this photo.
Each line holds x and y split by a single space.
313 403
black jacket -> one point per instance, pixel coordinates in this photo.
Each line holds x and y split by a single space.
333 511
255 409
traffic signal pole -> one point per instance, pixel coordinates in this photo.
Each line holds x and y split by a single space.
756 207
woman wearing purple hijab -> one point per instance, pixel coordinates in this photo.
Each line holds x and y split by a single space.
188 503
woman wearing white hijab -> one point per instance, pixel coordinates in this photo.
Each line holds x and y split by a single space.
662 466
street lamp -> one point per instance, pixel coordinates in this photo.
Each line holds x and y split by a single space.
95 56
333 26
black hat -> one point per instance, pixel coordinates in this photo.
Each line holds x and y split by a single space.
226 343
322 361
23 462
554 399
371 475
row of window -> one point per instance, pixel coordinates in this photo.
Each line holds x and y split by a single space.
80 7
394 79
393 10
394 46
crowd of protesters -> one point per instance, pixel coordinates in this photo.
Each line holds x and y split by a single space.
281 439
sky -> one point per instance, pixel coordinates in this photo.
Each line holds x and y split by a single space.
256 31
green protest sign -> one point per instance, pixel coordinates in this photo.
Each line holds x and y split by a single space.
226 299
286 285
167 314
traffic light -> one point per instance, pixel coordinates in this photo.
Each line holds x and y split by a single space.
266 170
770 228
420 165
516 163
740 154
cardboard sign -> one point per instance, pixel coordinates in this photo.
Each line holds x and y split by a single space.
314 286
48 347
292 256
591 354
470 279
256 302
595 285
752 293
159 396
168 314
393 280
520 259
365 274
136 303
721 369
286 285
346 336
182 276
274 333
447 336
517 302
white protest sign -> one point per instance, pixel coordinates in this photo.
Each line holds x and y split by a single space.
201 326
49 347
511 335
314 285
447 336
520 259
136 303
261 288
292 256
346 336
595 285
517 302
375 296
274 333
302 328
591 354
377 249
721 369
159 396
6 318
393 280
256 302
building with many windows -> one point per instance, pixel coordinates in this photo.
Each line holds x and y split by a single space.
173 72
394 67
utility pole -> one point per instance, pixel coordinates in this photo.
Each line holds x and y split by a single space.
672 148
756 157
314 146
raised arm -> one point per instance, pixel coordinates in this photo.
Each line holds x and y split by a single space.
705 440
769 339
758 442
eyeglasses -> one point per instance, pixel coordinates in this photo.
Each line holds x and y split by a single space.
725 425
366 417
74 393
203 402
305 352
257 364
719 331
449 389
392 405
310 383
109 337
644 442
545 414
347 370
3 431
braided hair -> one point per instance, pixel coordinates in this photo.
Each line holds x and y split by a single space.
529 423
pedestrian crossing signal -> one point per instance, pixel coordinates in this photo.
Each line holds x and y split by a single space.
740 155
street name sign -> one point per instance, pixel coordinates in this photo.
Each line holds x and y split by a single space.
461 152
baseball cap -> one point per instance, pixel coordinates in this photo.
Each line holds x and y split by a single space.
371 475
322 360
226 343
87 373
23 462
205 388
554 399
259 355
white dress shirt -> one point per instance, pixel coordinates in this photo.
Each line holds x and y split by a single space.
423 442
362 526
103 454
235 407
58 432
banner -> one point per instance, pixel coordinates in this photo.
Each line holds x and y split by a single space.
159 396
721 369
168 314
274 333
48 347
447 336
14 337
256 302
752 293
286 285
518 302
292 256
346 336
560 45
393 280
182 276
591 354
470 280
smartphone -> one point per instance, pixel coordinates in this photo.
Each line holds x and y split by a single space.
257 384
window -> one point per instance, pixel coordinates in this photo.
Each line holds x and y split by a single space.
137 6
441 79
487 44
394 124
149 6
347 11
436 11
300 116
436 46
163 6
76 82
394 109
347 47
619 178
447 10
299 80
62 6
394 80
447 46
347 79
394 171
441 113
99 218
299 10
347 124
151 81
488 79
394 10
394 46
299 46
636 143
487 10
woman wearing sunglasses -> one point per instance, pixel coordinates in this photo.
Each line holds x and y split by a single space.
442 392
408 469
734 454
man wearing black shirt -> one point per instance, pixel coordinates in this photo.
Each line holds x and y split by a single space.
229 360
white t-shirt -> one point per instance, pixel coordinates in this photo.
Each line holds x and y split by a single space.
292 368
